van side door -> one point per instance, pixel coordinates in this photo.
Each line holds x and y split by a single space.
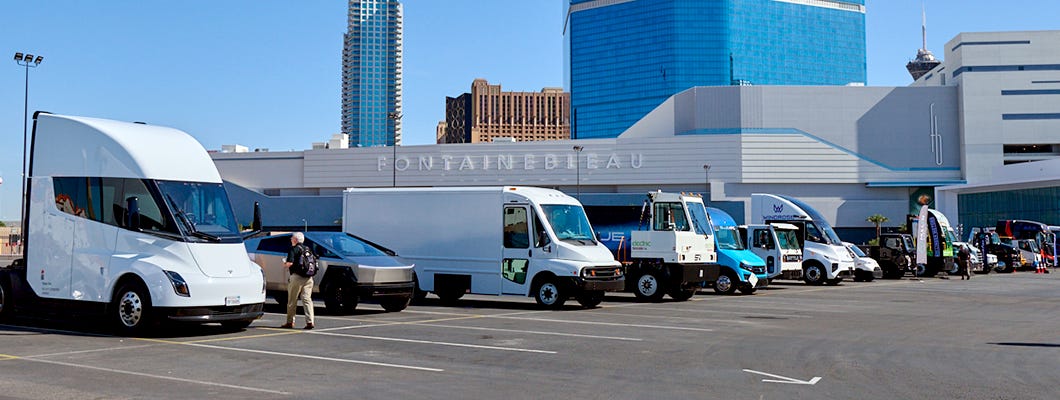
517 252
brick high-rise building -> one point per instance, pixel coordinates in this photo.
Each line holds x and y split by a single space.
488 113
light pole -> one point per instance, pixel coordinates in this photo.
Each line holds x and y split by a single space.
394 116
305 225
27 61
578 170
706 180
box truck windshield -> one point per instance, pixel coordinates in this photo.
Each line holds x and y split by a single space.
569 223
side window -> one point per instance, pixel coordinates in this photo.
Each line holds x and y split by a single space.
105 193
319 250
281 244
71 196
670 215
812 234
541 235
150 215
763 239
516 230
891 243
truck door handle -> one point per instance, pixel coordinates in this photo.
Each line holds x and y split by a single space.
530 253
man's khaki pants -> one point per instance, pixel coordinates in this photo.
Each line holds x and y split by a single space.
300 286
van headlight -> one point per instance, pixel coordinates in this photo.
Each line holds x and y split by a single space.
180 287
746 267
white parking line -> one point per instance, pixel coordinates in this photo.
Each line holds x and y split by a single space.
534 332
168 378
66 353
715 311
678 328
474 346
339 360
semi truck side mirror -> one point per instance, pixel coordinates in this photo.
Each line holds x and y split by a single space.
255 225
132 207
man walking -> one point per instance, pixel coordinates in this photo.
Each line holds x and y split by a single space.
964 260
298 285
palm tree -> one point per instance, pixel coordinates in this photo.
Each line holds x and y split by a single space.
877 219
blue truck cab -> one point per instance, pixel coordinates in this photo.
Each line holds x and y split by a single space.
740 268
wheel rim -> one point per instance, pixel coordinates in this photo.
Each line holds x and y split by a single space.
724 284
647 285
130 309
920 269
339 296
813 273
2 299
548 293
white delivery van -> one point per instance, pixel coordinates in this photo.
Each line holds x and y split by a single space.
130 221
777 244
507 240
824 258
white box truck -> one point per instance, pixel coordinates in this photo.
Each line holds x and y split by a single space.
507 240
129 221
778 244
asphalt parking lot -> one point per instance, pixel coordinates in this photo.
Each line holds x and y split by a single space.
994 337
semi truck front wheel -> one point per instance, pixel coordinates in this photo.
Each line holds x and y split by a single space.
131 309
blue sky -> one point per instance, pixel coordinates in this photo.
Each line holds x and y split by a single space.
266 73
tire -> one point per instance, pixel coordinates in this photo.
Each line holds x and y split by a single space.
748 289
339 299
683 293
590 298
131 310
858 276
550 293
726 283
925 271
813 274
5 302
237 325
395 304
448 295
649 286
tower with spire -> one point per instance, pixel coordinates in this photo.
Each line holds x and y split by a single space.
924 61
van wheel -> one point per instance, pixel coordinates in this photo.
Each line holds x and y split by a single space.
649 286
813 274
131 309
726 283
550 293
236 325
340 299
395 304
748 289
590 299
5 304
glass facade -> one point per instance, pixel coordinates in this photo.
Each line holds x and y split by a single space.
371 73
985 209
624 58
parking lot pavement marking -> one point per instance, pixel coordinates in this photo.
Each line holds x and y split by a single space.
473 346
4 357
67 353
676 328
725 321
716 311
168 378
628 339
306 356
282 331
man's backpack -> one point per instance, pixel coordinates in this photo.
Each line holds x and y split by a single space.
307 262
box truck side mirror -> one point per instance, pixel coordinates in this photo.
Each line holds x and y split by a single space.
132 205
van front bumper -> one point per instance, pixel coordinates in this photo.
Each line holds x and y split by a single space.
608 285
213 314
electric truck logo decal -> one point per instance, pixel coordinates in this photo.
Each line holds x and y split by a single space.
778 208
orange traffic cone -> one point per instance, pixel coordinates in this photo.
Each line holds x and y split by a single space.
1040 269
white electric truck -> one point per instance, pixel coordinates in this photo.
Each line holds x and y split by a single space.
779 246
509 240
129 221
824 258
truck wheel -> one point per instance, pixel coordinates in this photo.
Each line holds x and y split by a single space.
237 325
339 299
726 283
550 293
683 293
590 298
395 304
131 309
649 287
5 304
813 274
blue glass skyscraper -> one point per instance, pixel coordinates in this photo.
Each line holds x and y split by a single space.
625 57
371 73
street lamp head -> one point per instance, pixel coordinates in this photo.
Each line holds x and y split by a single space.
38 60
28 59
578 148
18 56
706 167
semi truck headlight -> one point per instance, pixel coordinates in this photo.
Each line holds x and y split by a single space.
180 287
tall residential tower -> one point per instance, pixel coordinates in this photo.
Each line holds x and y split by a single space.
625 57
371 73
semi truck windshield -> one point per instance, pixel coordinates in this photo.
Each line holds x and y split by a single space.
201 208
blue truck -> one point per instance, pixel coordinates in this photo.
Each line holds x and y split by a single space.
741 269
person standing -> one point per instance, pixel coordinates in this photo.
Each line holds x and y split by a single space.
964 258
298 285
